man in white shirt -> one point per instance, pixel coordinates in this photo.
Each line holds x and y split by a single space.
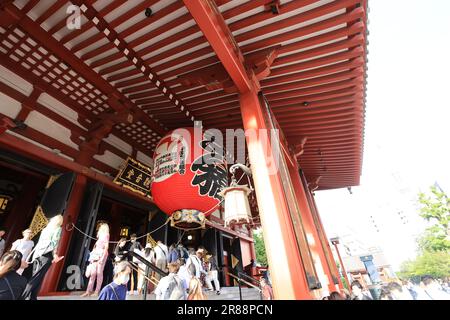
24 246
160 256
184 274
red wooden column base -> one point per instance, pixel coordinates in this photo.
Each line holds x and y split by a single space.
51 280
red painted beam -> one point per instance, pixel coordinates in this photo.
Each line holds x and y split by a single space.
13 143
215 29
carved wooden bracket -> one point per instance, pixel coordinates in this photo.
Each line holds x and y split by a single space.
215 77
300 148
314 185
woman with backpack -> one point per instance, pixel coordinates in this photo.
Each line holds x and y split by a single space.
171 287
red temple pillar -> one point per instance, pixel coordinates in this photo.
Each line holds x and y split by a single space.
314 241
285 263
51 280
321 229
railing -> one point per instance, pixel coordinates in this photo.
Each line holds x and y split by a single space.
136 267
148 266
240 280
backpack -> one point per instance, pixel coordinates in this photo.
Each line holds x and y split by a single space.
175 289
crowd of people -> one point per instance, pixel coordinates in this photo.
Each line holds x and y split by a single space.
428 289
24 266
190 272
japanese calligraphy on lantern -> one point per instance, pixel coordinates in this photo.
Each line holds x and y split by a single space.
135 176
210 171
170 157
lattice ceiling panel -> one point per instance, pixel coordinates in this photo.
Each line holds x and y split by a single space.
35 58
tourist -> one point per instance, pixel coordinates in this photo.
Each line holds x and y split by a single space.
135 246
194 263
146 254
195 290
120 250
173 254
117 290
212 273
398 292
159 257
407 285
2 241
267 292
204 264
97 261
357 290
432 290
171 287
24 245
385 293
184 274
346 294
44 255
12 284
183 252
335 296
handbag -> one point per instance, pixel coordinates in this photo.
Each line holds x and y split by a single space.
89 270
94 256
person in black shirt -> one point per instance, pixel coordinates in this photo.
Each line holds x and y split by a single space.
120 249
12 284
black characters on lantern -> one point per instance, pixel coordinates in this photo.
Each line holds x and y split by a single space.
210 170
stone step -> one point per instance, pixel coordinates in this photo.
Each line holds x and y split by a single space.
227 293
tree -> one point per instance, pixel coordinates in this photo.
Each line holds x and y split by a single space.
436 264
260 248
435 208
434 243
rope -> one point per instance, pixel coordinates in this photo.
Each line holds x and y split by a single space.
179 240
73 226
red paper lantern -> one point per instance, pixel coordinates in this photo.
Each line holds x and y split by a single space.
188 174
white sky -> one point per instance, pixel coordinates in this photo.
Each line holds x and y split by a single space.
407 126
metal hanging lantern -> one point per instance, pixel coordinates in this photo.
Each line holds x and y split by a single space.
236 204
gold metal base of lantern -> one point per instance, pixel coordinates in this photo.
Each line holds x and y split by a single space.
188 219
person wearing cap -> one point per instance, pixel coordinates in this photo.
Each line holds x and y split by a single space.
194 263
24 246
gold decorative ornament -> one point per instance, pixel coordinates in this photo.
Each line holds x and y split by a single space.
38 223
186 219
